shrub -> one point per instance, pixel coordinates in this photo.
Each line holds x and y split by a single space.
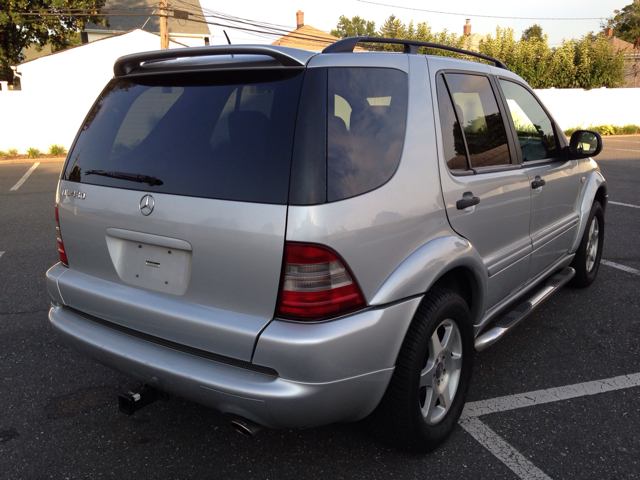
630 129
12 152
33 152
603 129
57 150
3 154
586 63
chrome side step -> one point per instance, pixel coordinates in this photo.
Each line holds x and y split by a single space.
523 310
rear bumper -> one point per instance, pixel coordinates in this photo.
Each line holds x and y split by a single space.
275 402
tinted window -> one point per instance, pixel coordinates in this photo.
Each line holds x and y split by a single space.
309 166
228 138
535 130
453 144
482 123
367 112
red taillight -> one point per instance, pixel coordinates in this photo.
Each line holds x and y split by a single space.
63 254
316 284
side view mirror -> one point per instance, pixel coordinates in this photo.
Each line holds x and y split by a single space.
585 143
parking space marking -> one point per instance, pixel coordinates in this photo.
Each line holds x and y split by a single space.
624 149
539 397
508 455
624 204
501 449
24 177
1 253
624 268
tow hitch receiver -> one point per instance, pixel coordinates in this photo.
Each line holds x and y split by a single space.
133 400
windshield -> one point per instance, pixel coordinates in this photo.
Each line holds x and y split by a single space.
226 137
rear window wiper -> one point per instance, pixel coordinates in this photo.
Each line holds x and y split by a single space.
127 176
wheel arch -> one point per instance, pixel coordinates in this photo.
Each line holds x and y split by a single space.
462 281
595 188
450 262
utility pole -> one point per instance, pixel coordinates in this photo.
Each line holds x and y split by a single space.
164 25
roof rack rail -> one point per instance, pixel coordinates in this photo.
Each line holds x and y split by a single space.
410 46
125 65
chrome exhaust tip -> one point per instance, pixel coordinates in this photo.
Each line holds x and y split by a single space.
245 427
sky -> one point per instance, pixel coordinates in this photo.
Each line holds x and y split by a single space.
324 15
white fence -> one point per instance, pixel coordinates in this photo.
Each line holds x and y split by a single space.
41 119
59 89
600 106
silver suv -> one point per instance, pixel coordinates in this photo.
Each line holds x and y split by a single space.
296 238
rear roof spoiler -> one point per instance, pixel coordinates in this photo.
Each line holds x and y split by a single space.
127 64
410 46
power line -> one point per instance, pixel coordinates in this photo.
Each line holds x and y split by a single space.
479 15
262 29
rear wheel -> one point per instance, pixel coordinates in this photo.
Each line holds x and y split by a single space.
426 394
587 260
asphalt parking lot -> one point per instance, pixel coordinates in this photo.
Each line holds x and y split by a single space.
559 398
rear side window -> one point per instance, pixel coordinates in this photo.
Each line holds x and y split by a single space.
477 111
452 141
366 117
226 136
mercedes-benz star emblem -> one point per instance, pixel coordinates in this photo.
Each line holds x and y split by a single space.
146 205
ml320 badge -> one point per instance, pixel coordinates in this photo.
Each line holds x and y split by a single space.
74 194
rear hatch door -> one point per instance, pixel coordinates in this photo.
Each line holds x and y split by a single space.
173 205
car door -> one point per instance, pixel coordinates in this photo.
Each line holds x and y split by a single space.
555 181
486 192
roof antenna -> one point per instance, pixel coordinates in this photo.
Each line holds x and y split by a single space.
225 34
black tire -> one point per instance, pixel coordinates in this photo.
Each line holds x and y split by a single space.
585 263
399 419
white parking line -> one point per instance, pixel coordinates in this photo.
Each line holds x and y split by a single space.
625 204
529 399
504 452
1 253
508 455
24 177
624 268
624 149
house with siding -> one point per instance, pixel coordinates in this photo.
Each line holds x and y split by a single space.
187 23
307 37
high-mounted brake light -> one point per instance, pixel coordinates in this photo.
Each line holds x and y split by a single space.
61 251
316 284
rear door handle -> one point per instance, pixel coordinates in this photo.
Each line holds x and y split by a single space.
468 200
538 182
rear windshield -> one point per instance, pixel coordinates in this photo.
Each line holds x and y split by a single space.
225 136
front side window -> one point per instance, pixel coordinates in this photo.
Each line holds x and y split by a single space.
477 110
366 117
534 128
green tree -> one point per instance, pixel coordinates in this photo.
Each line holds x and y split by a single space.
23 22
626 23
393 28
355 27
583 63
586 63
534 31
